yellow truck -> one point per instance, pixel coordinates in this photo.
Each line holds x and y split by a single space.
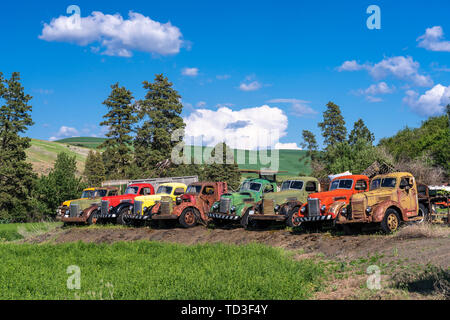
88 193
141 211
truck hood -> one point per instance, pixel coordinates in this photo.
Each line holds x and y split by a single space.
153 197
282 196
328 197
238 198
375 196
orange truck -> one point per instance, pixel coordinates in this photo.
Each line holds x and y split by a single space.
319 206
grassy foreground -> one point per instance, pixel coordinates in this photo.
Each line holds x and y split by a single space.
151 270
17 231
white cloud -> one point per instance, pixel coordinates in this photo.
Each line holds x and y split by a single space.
375 89
299 107
249 128
223 76
431 103
65 132
252 86
201 104
432 40
116 35
287 146
404 68
190 72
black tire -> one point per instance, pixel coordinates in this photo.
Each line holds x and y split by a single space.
188 218
423 211
291 217
90 220
120 220
391 221
246 222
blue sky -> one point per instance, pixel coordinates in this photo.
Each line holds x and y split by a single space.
240 66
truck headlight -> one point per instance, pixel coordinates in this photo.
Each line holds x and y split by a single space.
369 209
277 207
178 200
215 206
303 209
344 211
233 208
323 207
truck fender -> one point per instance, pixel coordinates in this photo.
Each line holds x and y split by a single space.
90 210
379 210
121 205
336 208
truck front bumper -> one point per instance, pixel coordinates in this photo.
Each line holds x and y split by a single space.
316 218
224 216
107 216
267 217
164 217
136 217
73 220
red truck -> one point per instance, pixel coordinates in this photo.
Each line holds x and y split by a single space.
318 207
113 208
192 207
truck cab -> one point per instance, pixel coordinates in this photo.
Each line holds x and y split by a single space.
234 207
323 206
392 199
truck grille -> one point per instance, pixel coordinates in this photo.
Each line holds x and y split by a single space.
166 204
224 206
268 206
313 207
138 207
358 208
74 210
105 206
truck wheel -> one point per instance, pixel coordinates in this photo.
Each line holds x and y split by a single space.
92 218
423 212
187 218
120 218
291 217
391 221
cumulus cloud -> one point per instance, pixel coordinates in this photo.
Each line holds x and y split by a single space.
223 76
65 132
114 34
252 86
249 128
299 107
431 103
287 146
433 40
190 72
404 68
374 90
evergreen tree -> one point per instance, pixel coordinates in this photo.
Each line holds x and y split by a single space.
333 126
60 184
16 176
94 170
360 131
309 143
120 119
222 167
160 112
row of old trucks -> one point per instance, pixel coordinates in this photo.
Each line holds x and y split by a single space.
351 201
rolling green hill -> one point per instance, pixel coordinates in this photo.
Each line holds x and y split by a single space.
42 155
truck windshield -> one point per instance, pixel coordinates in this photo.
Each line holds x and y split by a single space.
341 184
132 190
383 183
164 189
250 186
194 189
87 194
286 185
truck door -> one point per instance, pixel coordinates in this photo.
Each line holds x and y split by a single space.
407 196
208 197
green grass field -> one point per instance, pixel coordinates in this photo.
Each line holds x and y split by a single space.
87 142
17 231
151 270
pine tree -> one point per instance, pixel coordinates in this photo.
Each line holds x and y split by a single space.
360 131
94 170
160 112
333 126
223 167
60 184
16 176
309 143
120 119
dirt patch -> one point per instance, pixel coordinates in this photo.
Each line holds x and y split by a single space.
420 250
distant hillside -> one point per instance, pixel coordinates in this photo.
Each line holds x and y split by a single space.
42 155
86 142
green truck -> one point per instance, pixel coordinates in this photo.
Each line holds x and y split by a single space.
283 206
235 207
